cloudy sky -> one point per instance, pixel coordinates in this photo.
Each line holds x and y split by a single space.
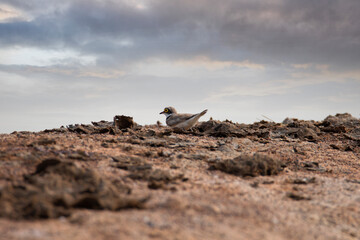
77 61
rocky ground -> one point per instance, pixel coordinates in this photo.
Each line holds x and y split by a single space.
221 180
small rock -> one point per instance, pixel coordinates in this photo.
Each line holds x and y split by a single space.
198 156
156 178
79 129
353 134
46 141
104 145
122 122
268 182
131 163
307 134
289 120
335 146
154 142
225 148
312 166
304 180
297 197
102 124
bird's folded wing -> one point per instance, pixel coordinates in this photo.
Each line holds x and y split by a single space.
178 118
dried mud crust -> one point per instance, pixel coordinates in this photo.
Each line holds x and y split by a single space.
221 180
57 186
249 165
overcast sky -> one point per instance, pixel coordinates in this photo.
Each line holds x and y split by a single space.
77 61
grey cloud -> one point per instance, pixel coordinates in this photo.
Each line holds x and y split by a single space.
292 31
297 31
34 34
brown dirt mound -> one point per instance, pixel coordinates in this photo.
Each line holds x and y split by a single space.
58 186
249 165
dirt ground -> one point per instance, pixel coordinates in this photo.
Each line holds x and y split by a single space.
221 180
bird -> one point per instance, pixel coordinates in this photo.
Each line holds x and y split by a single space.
181 120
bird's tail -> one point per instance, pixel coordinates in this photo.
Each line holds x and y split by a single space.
203 112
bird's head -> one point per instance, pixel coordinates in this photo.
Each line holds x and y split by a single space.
168 111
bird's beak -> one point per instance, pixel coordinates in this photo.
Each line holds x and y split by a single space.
162 112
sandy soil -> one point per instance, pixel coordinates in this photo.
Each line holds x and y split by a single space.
149 182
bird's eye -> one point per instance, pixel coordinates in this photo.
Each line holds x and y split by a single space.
166 110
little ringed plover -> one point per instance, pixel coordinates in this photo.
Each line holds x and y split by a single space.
181 120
